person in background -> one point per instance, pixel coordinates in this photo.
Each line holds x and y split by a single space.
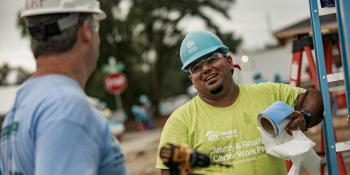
147 106
143 113
52 128
221 121
277 78
258 77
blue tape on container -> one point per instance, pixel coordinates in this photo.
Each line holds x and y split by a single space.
273 118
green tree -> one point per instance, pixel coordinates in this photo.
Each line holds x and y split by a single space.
6 70
145 36
22 75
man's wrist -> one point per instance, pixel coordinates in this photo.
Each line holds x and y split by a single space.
307 117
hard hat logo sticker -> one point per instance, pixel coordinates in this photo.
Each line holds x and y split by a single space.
191 46
34 4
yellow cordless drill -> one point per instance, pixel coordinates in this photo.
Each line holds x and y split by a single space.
180 159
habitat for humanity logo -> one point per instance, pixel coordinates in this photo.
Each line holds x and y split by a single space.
191 47
216 135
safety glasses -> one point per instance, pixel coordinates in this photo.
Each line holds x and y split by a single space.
94 24
197 67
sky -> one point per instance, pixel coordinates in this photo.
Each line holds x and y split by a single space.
252 20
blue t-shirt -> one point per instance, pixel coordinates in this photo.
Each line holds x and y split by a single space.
52 129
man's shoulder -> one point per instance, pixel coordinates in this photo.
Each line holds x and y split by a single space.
52 84
187 105
263 86
275 86
58 88
53 94
186 110
260 85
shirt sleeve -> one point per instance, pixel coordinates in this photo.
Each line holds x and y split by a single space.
113 158
174 131
283 92
289 93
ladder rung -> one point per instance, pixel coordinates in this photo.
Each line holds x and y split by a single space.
335 77
342 146
346 157
342 112
327 11
339 88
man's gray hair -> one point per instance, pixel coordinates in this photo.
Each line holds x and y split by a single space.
59 43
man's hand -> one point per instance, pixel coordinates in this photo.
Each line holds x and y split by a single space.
310 101
297 122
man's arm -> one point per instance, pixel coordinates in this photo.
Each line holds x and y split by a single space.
308 102
174 131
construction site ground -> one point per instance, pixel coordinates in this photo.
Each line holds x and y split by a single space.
140 148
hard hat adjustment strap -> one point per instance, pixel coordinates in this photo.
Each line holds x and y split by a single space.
68 21
44 31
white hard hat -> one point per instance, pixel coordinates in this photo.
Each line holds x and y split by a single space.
43 7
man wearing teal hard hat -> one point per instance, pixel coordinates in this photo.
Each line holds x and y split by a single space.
221 121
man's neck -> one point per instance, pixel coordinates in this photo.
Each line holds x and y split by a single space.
224 98
61 64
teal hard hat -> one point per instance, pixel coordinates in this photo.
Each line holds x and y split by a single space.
143 98
198 44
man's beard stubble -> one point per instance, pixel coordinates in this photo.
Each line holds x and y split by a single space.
217 90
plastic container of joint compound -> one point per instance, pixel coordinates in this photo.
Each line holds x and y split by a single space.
274 119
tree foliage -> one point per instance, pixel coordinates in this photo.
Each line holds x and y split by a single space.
18 75
145 35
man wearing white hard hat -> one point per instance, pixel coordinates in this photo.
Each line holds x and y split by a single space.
221 121
52 128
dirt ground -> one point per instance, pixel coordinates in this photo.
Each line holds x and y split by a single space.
140 148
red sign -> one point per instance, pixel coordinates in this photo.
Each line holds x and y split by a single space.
116 82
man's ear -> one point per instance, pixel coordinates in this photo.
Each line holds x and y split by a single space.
85 32
190 77
230 61
229 58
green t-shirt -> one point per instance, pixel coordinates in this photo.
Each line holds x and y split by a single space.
229 134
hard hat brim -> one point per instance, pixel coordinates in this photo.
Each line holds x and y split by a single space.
98 14
201 54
